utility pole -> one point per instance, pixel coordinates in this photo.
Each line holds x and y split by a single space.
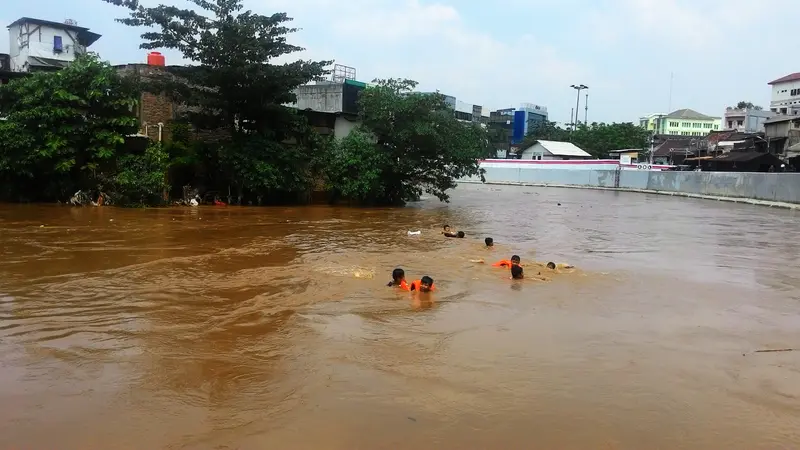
586 110
579 88
572 118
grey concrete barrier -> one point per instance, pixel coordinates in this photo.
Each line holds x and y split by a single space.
774 189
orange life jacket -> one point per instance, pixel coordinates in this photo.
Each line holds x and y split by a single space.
417 283
403 285
504 263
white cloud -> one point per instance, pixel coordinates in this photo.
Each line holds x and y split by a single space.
432 44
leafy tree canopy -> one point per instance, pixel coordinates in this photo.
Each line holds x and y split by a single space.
234 86
62 130
408 143
232 83
748 105
597 139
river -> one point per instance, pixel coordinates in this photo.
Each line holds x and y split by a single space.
253 328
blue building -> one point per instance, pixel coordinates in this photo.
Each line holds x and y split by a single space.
526 119
509 126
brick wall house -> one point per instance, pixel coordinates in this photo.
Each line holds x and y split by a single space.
152 109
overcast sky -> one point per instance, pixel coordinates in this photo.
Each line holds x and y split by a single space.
506 52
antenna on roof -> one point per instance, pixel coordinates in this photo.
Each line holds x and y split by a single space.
70 22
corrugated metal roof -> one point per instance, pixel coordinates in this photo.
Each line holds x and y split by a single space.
744 156
558 148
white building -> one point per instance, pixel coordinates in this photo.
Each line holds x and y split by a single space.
554 150
745 120
467 112
36 44
786 95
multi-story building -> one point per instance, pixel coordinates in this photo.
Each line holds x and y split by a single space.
36 44
786 95
510 125
468 112
745 120
651 122
681 122
687 122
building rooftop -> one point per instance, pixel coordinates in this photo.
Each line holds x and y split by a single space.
688 114
559 148
626 150
791 77
670 146
85 37
782 118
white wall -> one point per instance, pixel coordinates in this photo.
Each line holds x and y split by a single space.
535 152
40 44
13 43
342 127
463 106
782 95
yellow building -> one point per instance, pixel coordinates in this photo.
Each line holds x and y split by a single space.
683 122
650 121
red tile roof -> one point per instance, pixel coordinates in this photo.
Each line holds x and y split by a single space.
791 77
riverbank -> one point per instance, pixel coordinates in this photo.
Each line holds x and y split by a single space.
749 201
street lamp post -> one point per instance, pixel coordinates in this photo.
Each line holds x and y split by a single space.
579 88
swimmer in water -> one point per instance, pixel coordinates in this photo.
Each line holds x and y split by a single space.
459 235
447 232
489 246
557 267
424 284
399 279
515 261
518 273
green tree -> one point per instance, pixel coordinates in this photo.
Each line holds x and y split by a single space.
407 144
547 131
597 139
233 87
140 177
748 105
62 130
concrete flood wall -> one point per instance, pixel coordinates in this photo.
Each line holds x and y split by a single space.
766 187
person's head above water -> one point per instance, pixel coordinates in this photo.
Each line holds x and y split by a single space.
515 260
551 265
398 275
489 242
460 234
446 228
425 284
516 272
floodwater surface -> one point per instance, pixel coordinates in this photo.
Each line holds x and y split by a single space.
273 328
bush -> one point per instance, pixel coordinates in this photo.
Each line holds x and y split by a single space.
141 179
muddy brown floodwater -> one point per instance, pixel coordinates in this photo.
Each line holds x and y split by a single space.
256 328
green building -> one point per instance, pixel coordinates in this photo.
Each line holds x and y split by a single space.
682 122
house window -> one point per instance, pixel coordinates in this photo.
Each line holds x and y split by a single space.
58 44
716 127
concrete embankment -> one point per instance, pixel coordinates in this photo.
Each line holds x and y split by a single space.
767 189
